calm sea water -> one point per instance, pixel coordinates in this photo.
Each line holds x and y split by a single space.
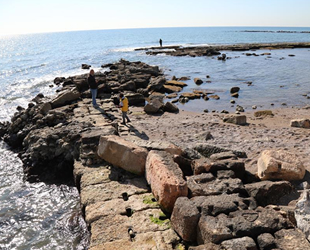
38 216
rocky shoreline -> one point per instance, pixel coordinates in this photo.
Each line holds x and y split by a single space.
170 179
214 50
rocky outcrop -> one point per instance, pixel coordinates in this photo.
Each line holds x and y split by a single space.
123 154
280 165
65 98
165 178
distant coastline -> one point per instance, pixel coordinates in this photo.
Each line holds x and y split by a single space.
275 31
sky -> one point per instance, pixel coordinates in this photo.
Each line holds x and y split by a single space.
38 16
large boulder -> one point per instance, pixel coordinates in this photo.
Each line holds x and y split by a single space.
280 165
156 83
235 119
291 239
184 219
123 154
153 107
165 178
268 192
65 97
170 107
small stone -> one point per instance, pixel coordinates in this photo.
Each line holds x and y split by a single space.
254 107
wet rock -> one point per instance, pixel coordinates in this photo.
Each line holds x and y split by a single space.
291 239
170 107
235 95
123 154
268 192
86 66
171 89
216 97
244 243
198 81
280 165
184 219
177 83
235 119
191 95
59 80
153 107
234 90
300 123
165 178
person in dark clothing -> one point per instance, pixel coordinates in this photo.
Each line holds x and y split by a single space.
160 42
93 86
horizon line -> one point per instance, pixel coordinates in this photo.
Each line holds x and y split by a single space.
132 28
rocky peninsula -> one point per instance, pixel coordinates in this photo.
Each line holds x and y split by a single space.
214 50
170 179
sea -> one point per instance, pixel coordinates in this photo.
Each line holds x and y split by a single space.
45 216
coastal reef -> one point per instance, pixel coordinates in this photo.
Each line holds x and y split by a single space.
140 189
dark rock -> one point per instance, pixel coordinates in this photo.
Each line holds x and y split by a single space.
266 241
169 107
244 243
184 164
135 99
59 80
153 107
184 219
235 119
86 66
207 150
198 81
268 192
234 90
156 84
205 184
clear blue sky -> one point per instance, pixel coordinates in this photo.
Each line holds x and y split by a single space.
33 16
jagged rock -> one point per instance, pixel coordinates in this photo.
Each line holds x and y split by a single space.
302 214
65 97
280 165
205 184
156 84
224 203
184 219
201 165
165 178
235 119
153 107
268 192
291 239
170 107
123 154
86 66
244 243
300 123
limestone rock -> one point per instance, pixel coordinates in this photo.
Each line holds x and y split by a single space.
300 123
268 192
171 89
235 119
184 219
176 83
280 165
165 178
123 154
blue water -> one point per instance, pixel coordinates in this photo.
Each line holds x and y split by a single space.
29 64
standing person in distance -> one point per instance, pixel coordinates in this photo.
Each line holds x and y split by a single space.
93 85
124 107
160 42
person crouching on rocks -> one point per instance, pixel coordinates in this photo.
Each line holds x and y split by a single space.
93 87
124 107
